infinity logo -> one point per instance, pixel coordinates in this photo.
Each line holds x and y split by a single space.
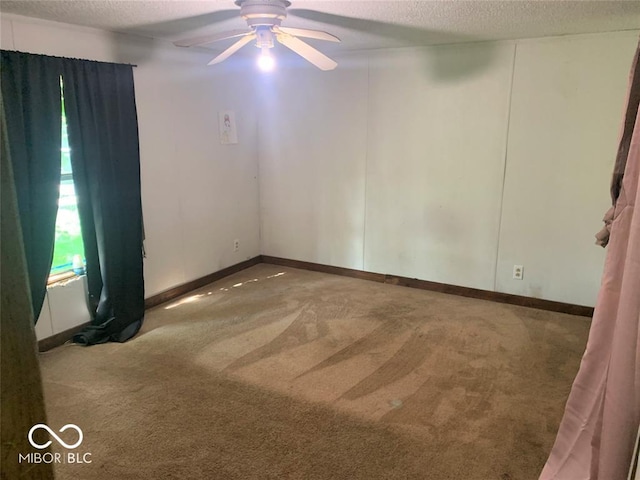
52 433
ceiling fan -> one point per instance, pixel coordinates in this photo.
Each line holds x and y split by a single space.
264 18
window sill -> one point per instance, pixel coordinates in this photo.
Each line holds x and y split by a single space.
61 277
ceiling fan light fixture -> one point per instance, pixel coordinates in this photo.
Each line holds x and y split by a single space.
266 62
264 37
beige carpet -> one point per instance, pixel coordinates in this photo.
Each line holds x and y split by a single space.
278 373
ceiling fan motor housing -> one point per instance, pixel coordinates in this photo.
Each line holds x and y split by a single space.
263 12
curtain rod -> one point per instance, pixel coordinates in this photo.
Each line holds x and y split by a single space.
70 58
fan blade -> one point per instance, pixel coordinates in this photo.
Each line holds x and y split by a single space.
306 51
233 49
305 33
214 37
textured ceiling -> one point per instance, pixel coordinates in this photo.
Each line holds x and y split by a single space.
360 24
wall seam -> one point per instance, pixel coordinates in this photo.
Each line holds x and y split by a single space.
180 202
366 160
258 176
13 36
504 168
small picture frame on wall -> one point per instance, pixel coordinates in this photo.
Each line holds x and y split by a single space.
227 123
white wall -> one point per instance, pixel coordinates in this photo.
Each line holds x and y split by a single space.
198 195
446 163
459 162
566 112
435 162
312 164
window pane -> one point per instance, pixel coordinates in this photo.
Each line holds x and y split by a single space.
64 149
68 236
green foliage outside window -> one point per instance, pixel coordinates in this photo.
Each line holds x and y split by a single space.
68 236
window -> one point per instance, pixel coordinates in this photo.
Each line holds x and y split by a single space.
68 236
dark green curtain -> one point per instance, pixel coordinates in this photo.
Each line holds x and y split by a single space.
103 137
31 94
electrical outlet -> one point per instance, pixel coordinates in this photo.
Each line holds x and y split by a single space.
518 272
236 245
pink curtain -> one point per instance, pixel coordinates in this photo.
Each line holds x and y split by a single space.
598 431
